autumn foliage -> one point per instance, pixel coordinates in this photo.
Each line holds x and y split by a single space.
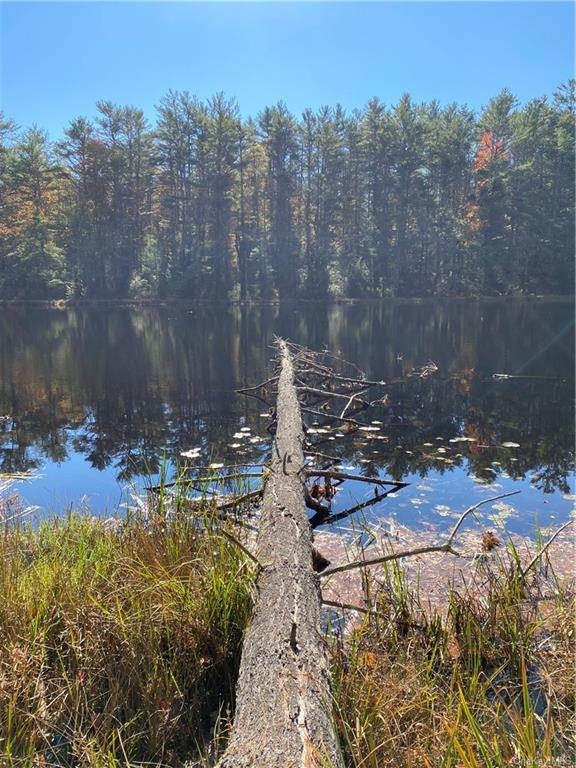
490 150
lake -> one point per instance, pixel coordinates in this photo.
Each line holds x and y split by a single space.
93 401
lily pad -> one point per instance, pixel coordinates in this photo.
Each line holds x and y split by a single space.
193 453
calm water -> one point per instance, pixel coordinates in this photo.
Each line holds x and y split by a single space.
92 399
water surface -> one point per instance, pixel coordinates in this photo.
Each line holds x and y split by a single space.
93 400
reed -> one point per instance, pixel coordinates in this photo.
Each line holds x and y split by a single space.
121 643
485 683
120 639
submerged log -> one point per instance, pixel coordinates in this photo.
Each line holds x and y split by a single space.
283 715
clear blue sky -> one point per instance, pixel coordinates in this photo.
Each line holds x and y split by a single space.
57 59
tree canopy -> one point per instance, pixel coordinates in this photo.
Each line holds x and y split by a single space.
403 200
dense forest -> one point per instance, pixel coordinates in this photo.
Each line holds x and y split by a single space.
409 200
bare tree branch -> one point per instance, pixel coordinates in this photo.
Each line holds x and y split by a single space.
445 547
469 511
246 390
393 556
331 417
360 478
348 607
241 546
316 521
539 554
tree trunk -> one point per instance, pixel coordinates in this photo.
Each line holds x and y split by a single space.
283 709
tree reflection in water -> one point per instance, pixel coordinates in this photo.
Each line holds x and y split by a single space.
121 387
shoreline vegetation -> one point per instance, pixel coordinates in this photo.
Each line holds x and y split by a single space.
122 642
410 199
144 302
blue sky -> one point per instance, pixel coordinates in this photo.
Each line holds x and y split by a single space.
58 59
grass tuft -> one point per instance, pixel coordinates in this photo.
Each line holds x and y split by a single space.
487 683
121 639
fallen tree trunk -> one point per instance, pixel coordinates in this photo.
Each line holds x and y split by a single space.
283 708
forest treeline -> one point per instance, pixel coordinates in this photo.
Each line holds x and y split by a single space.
408 200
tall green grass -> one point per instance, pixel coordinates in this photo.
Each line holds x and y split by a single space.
120 639
120 643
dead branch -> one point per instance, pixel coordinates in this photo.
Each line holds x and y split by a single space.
315 521
506 376
331 417
228 502
226 478
189 482
424 371
352 398
312 356
342 379
348 607
445 547
360 478
208 508
394 556
239 544
220 506
473 508
238 500
544 547
326 395
247 390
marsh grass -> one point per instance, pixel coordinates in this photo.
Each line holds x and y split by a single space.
120 638
486 683
121 642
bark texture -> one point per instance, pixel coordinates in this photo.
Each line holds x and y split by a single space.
283 709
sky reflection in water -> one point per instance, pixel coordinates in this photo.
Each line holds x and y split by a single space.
92 399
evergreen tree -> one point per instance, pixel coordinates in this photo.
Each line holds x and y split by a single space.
278 131
412 199
33 266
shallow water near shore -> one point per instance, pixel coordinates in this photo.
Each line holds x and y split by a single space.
92 401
